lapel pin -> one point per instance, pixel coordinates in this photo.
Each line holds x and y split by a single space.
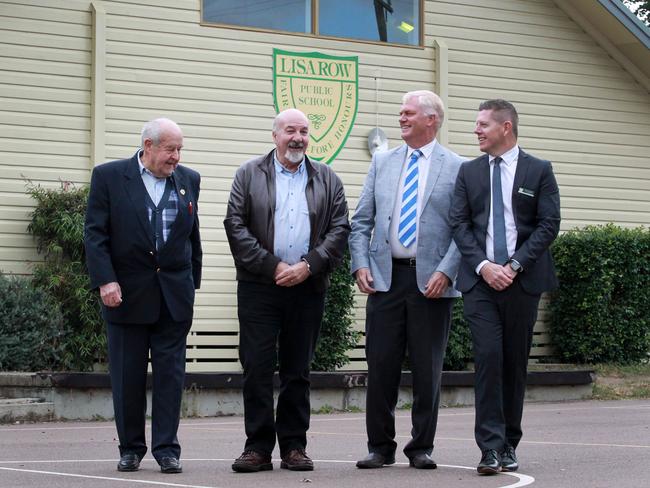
183 191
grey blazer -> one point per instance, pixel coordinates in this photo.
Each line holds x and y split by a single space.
436 250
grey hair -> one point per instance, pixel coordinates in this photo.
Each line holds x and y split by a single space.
502 110
154 128
430 103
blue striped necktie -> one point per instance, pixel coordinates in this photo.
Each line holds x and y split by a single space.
408 211
498 218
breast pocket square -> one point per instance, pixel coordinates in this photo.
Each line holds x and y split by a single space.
526 191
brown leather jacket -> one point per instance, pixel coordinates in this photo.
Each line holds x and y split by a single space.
250 217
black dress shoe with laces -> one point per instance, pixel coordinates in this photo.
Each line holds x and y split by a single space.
509 459
129 462
422 461
490 462
170 465
375 460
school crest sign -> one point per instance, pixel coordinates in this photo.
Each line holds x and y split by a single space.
323 87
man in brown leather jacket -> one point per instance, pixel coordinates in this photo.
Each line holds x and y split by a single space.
287 226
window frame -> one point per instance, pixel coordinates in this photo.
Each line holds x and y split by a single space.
314 26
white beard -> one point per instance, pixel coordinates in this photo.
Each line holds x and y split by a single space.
294 156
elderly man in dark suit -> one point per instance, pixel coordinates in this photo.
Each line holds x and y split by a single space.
144 255
505 214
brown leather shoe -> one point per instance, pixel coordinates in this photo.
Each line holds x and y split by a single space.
252 462
297 460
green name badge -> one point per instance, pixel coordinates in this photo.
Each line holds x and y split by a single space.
526 191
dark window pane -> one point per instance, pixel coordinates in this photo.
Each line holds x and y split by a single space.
371 20
287 15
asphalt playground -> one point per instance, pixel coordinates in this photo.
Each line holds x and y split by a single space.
586 444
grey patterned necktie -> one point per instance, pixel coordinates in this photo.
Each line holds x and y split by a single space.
498 219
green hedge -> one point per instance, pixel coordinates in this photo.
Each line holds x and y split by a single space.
601 311
31 327
459 348
337 336
57 224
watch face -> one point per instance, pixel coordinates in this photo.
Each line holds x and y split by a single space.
515 266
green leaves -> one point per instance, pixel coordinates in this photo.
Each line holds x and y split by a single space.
57 224
600 311
31 327
337 335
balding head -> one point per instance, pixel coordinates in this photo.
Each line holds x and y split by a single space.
291 137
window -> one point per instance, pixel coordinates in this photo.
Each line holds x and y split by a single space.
394 21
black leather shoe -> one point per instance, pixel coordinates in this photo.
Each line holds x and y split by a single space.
490 462
375 460
128 462
170 465
422 461
509 459
252 462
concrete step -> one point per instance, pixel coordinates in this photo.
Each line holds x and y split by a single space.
25 409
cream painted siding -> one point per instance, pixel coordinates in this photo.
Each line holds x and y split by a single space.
578 108
217 84
44 111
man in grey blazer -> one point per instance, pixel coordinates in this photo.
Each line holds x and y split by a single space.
404 258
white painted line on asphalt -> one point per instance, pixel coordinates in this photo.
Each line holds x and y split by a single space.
26 429
522 479
546 443
106 478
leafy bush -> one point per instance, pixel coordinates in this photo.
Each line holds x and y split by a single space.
337 335
459 347
31 327
57 224
600 312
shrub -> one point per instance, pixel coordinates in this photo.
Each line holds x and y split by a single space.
600 312
57 224
31 327
337 335
459 348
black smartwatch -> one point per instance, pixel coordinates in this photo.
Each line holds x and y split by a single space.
515 266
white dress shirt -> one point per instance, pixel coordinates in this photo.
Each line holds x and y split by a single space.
508 169
424 163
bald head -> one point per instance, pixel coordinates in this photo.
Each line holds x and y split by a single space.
289 114
291 137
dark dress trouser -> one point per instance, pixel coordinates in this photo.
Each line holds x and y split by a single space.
502 330
128 351
400 319
277 325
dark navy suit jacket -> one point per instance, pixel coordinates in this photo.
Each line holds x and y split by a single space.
120 246
536 209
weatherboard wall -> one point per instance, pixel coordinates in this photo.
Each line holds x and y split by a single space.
578 107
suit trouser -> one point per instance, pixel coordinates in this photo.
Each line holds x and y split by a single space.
502 330
403 318
277 325
128 351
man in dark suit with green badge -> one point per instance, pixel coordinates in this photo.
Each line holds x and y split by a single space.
505 214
